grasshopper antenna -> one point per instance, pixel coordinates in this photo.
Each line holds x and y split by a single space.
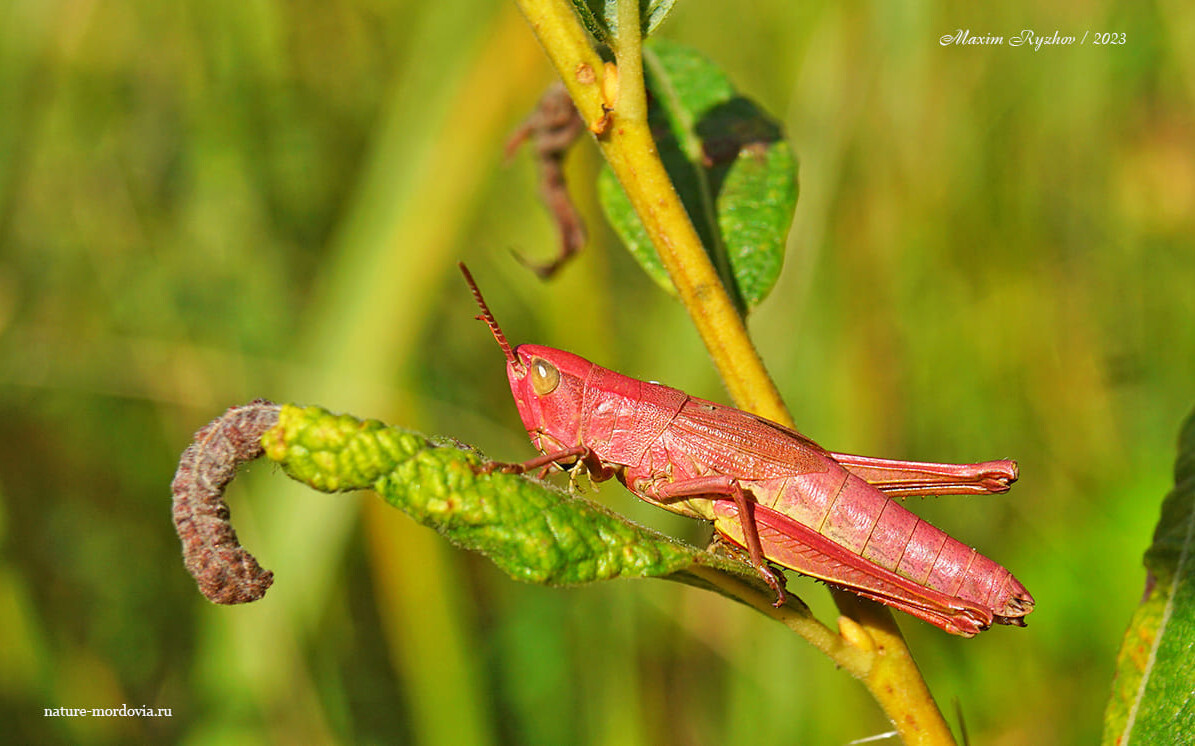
489 319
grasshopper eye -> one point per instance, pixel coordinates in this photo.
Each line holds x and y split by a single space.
544 376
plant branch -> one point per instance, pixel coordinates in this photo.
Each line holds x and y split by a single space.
613 104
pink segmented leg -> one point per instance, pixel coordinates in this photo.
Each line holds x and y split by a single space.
728 486
903 478
582 455
544 461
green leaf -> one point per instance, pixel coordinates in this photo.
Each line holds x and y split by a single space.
601 16
533 531
732 167
1153 694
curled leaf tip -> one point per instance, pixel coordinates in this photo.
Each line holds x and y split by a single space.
224 570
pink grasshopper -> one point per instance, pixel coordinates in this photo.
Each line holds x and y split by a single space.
767 488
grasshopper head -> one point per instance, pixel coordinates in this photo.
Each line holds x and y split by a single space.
547 384
549 389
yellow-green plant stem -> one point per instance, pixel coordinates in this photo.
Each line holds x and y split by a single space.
616 111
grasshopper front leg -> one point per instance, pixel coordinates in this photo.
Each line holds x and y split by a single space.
543 461
576 456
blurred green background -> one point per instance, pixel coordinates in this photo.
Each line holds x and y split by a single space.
206 202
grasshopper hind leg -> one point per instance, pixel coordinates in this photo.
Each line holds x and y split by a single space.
723 486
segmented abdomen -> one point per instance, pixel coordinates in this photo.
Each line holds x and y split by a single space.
853 514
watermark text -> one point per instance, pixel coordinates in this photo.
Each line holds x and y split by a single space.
124 711
1032 39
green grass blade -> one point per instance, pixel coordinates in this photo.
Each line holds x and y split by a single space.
1152 699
